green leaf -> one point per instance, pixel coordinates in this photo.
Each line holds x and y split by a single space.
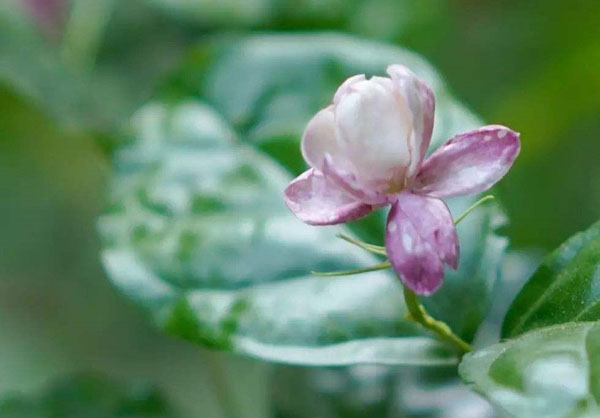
551 372
107 65
197 231
89 396
374 391
268 87
565 288
31 66
551 367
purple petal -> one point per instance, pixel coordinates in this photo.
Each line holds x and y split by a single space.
421 103
469 163
420 237
317 201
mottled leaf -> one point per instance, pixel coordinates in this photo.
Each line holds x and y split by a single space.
551 372
197 231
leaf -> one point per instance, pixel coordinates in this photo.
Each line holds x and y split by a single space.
214 13
551 372
552 368
107 65
380 19
197 231
89 396
31 66
565 288
374 391
268 87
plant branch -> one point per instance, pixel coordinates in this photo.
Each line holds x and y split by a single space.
380 266
439 328
472 207
365 246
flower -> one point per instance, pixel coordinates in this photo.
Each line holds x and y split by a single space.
367 149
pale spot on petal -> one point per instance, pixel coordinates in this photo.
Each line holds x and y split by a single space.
469 162
407 243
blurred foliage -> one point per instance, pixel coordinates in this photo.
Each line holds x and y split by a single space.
89 397
59 314
197 231
375 391
104 66
532 66
533 69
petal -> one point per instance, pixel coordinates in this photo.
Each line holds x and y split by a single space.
420 237
344 88
319 138
317 201
469 163
348 182
421 103
373 126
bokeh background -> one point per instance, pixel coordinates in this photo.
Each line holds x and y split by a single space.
72 72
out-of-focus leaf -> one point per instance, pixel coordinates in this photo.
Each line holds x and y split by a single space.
565 288
268 87
381 19
107 66
198 233
517 267
551 372
89 397
375 391
217 13
30 64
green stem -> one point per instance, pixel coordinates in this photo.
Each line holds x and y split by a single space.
441 329
365 246
473 206
380 266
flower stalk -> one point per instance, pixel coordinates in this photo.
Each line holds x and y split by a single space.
365 246
472 207
417 313
380 266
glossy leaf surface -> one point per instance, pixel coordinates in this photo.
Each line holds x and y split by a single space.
268 87
197 231
551 372
565 288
